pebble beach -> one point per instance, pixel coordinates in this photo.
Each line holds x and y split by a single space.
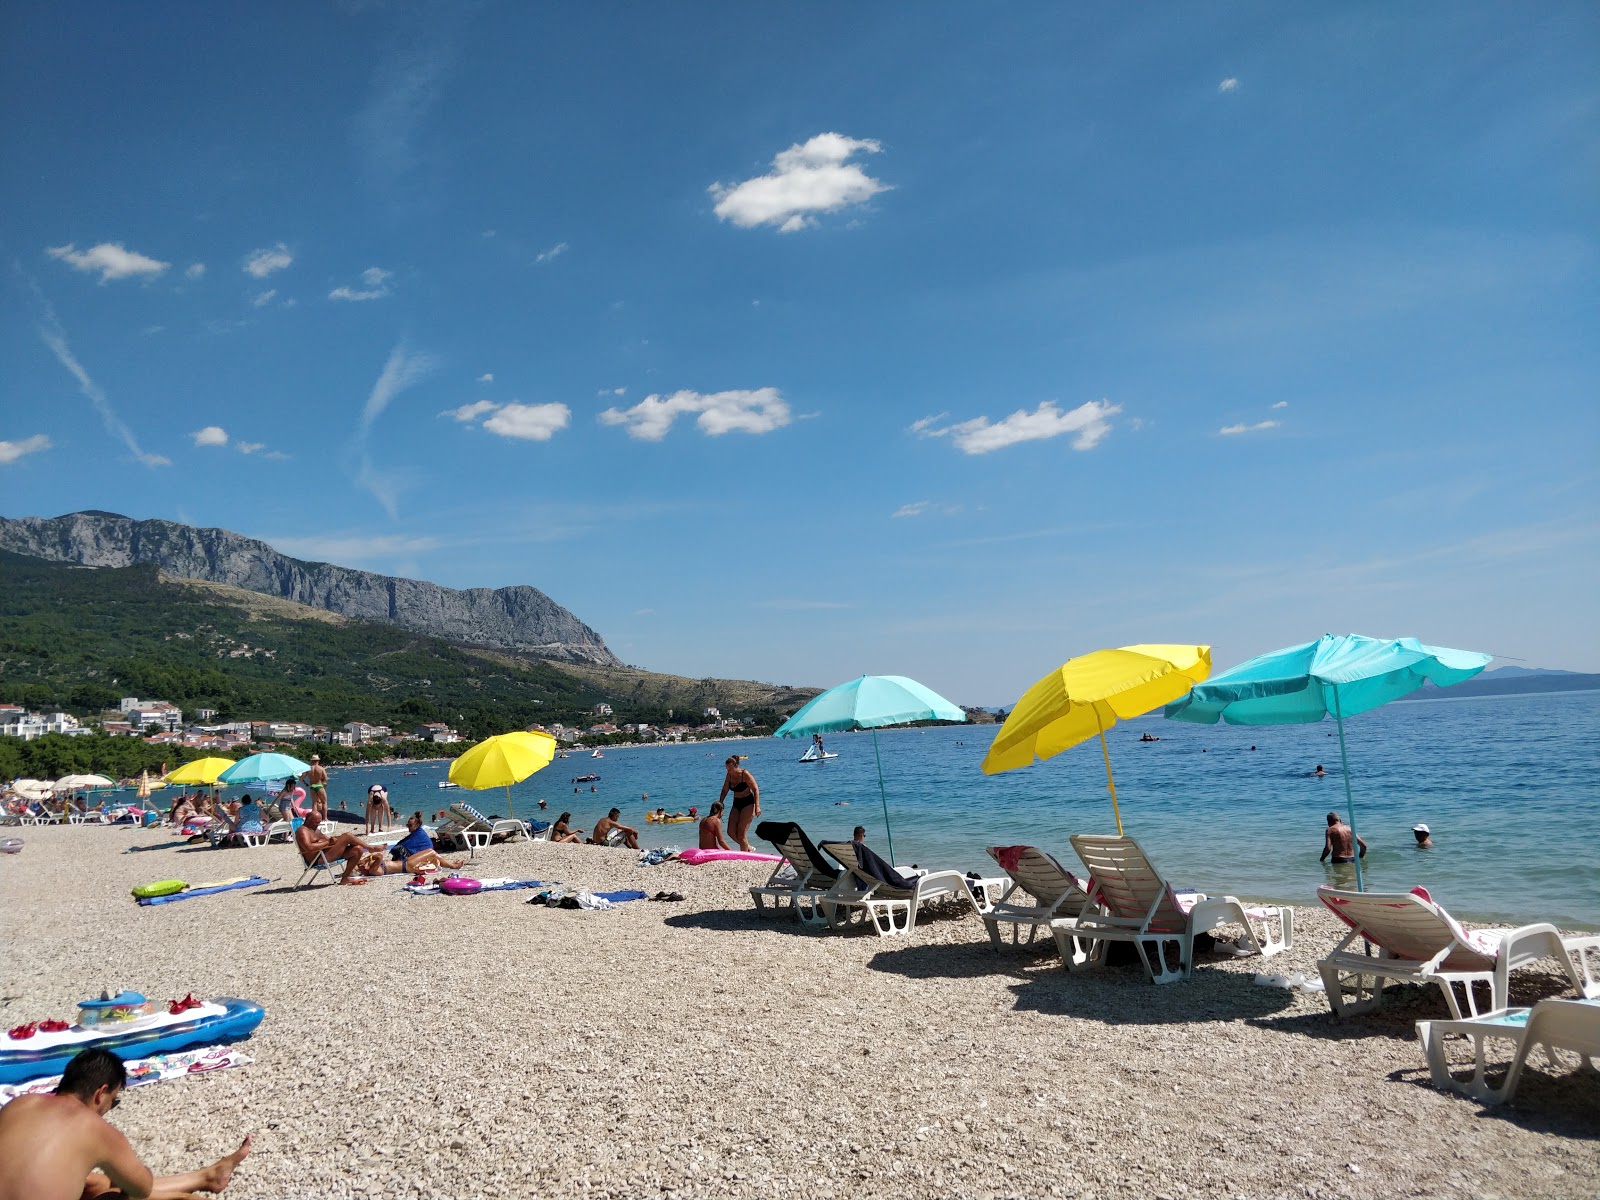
481 1047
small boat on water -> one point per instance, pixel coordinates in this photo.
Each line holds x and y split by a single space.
591 777
811 755
596 754
409 772
445 783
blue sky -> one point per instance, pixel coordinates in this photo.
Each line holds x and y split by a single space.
941 340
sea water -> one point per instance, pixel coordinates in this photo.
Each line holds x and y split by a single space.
1510 786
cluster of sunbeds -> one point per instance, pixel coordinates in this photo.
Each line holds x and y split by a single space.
1123 898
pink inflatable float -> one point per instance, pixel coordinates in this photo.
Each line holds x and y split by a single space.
695 857
460 885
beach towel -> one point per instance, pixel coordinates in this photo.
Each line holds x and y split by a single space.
489 885
206 889
1008 857
155 1069
618 897
872 864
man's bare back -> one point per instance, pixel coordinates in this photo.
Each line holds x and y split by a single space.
50 1144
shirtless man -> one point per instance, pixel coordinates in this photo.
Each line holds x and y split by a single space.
602 827
317 785
59 1147
1340 842
311 842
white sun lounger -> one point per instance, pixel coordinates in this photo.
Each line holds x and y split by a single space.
892 910
1133 903
1419 942
478 830
1567 1025
801 879
1056 892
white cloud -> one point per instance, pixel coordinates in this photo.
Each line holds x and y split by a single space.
621 391
754 411
111 259
402 370
211 435
195 271
555 251
11 451
1231 430
644 612
262 299
920 508
249 447
1228 85
55 337
276 456
815 177
529 422
486 377
915 509
470 412
375 286
1281 404
261 263
1089 423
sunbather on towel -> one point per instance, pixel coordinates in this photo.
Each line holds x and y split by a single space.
347 846
411 854
869 862
60 1146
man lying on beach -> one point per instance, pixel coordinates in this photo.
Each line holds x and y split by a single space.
59 1147
604 826
347 846
1340 842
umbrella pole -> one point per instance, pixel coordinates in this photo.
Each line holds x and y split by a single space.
883 795
1111 785
510 811
1349 800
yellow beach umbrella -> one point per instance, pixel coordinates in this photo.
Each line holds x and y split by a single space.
502 760
201 770
1087 695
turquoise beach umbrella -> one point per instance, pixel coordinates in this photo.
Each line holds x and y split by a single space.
1337 676
262 768
870 702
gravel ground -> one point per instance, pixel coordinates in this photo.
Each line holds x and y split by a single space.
480 1047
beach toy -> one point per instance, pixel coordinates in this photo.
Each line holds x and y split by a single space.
161 887
460 885
10 845
113 1007
206 889
695 857
224 1019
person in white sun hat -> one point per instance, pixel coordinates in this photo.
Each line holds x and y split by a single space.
1422 834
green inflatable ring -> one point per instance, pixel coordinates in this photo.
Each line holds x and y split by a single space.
161 887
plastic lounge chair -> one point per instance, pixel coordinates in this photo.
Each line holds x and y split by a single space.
1419 942
478 830
1056 893
1570 1025
891 903
801 878
1133 903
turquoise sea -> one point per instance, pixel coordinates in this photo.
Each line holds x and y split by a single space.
1510 786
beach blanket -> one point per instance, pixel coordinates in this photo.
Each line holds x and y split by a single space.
489 885
207 889
620 896
146 1070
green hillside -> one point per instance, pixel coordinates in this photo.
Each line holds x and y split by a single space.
78 639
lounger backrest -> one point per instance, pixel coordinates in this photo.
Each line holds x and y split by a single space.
1127 883
470 817
789 840
1036 872
1407 926
845 852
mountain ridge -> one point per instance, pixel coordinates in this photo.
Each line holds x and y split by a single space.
520 618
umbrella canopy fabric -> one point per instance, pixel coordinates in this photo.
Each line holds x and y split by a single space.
503 760
263 768
1087 695
69 782
871 702
1339 676
202 770
1332 676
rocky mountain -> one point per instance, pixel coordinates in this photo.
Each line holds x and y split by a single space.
521 618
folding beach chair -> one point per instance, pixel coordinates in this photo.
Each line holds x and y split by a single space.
1056 892
1419 942
803 876
1572 1026
319 864
884 895
1133 903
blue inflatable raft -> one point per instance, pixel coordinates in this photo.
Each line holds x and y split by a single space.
224 1019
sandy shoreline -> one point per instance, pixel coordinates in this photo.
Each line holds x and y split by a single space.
480 1047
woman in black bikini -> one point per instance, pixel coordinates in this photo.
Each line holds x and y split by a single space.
746 801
